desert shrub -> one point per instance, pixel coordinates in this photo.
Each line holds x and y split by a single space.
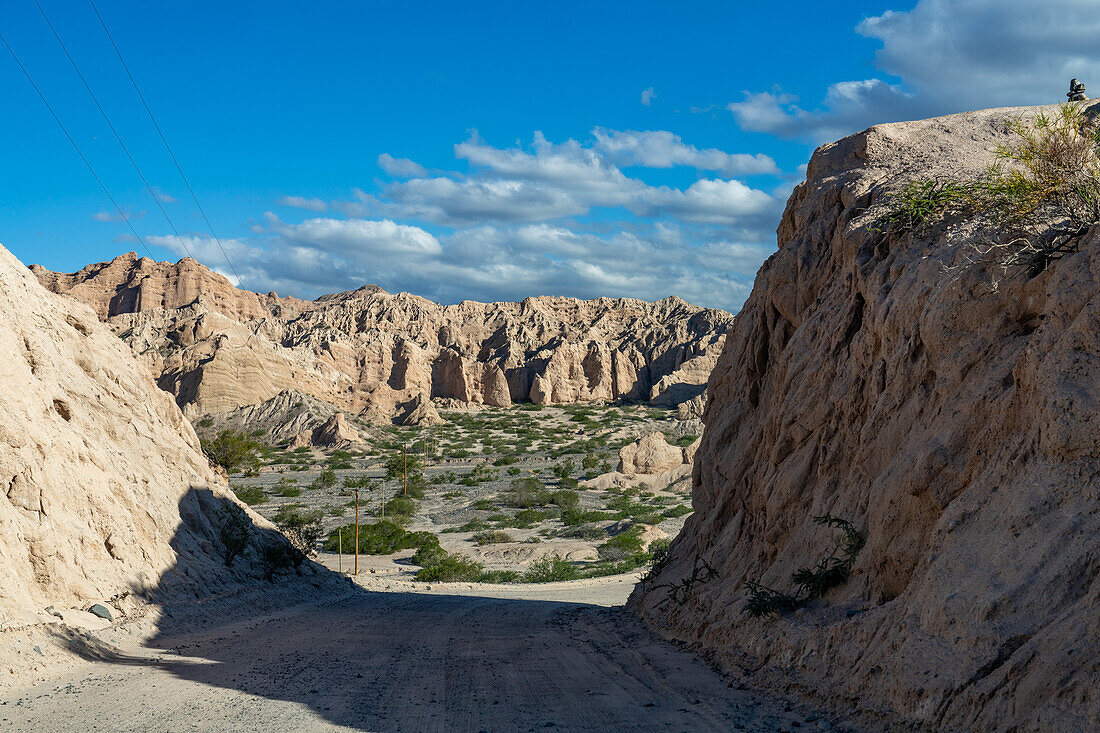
439 565
677 511
582 531
326 479
401 508
234 531
399 465
302 528
381 538
685 440
550 569
1030 208
525 518
250 495
499 576
206 422
491 537
621 546
288 490
529 407
574 516
233 450
590 461
811 582
525 493
275 556
565 498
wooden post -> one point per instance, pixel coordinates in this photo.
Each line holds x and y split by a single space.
356 532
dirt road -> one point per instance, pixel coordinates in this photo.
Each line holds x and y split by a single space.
404 661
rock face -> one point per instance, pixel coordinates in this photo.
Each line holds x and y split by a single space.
217 348
332 433
103 488
281 418
649 454
955 427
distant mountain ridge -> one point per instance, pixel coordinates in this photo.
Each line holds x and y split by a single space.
216 347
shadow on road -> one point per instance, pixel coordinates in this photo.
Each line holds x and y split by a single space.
407 661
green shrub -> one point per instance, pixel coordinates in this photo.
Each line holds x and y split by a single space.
677 511
381 538
234 531
275 556
565 498
550 569
288 491
621 546
445 567
303 529
206 422
491 537
233 450
525 493
250 495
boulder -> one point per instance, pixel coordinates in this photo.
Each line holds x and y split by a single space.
649 454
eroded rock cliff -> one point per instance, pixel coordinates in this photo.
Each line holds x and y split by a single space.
103 487
217 348
956 427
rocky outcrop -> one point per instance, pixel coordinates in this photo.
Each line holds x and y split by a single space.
419 411
649 454
217 348
103 488
278 421
954 425
332 433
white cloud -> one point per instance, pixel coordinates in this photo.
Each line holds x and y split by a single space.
662 149
300 202
400 167
950 56
648 96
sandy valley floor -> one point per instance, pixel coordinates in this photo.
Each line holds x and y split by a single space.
456 657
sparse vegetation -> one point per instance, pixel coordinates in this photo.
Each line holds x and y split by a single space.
234 531
233 451
811 582
250 495
302 528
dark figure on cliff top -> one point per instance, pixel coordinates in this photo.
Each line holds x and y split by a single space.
1076 91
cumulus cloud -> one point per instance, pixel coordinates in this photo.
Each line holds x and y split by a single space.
648 96
400 167
663 149
950 56
497 263
300 202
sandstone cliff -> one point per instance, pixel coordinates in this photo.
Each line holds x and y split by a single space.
217 348
104 488
955 427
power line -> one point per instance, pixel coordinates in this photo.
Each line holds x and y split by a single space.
113 130
164 140
76 147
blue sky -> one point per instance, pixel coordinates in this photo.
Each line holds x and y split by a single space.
487 151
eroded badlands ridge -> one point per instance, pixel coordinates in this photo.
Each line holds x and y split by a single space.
104 488
958 429
217 348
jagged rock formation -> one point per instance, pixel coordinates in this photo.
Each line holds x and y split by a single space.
281 418
420 411
954 426
368 352
103 488
332 433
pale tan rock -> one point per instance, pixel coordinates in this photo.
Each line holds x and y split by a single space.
650 454
280 419
955 427
103 488
420 411
216 348
332 433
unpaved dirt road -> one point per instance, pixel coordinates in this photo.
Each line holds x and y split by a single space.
404 661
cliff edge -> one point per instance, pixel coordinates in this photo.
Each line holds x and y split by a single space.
957 428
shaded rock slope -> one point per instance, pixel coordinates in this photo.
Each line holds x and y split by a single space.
217 348
957 428
103 488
